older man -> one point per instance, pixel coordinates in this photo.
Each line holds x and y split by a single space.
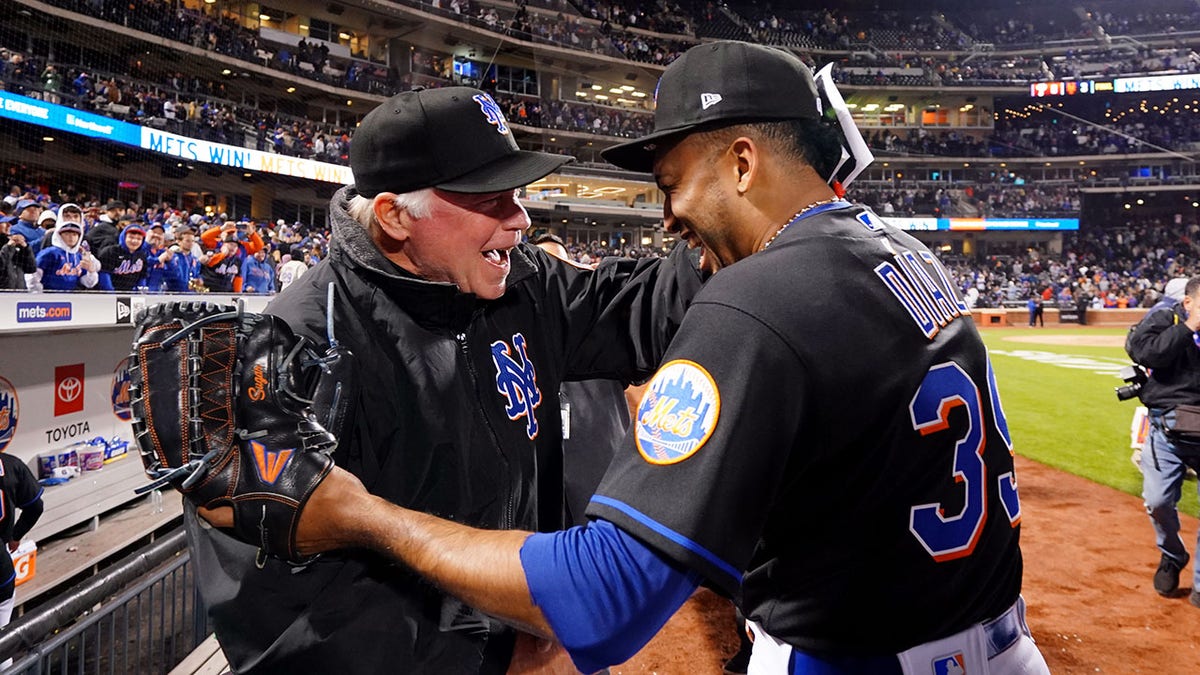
462 335
27 212
842 466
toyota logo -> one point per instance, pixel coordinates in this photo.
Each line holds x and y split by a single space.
69 389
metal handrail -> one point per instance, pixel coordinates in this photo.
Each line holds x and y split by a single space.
30 631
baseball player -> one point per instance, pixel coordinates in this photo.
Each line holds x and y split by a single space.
823 441
19 491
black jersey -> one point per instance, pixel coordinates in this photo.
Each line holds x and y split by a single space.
825 443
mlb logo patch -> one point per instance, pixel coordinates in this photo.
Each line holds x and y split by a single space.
950 665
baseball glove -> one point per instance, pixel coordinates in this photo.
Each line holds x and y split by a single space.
218 413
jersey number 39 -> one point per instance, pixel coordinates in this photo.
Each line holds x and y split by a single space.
946 386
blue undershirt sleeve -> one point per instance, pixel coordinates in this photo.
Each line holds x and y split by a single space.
604 593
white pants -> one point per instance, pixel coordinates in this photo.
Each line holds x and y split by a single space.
772 657
6 610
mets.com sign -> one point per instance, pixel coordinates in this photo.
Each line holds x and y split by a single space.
34 312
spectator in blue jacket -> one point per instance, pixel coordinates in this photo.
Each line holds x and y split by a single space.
190 255
258 274
64 265
27 212
163 269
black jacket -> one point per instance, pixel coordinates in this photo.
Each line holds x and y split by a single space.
101 235
458 417
1165 346
15 263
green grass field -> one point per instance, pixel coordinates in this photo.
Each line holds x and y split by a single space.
1062 412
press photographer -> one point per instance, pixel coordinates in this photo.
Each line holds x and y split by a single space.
1167 344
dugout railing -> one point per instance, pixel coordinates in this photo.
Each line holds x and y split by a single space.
149 627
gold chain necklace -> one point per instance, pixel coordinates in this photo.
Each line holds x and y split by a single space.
799 213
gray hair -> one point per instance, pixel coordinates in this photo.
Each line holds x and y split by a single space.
418 203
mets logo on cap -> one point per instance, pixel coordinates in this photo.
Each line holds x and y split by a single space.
492 112
678 412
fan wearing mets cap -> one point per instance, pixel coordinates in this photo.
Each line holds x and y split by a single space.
461 335
824 440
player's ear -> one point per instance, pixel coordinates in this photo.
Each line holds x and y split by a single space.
747 162
394 222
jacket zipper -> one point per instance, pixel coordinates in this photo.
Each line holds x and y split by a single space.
507 520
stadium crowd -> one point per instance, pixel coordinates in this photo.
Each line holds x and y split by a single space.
115 246
657 32
188 106
1120 267
157 248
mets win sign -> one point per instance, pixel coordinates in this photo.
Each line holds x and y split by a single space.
678 412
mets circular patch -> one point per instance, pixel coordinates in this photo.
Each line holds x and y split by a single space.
678 412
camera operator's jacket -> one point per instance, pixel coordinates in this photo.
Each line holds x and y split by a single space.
1167 348
459 417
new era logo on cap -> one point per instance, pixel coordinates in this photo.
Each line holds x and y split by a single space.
757 84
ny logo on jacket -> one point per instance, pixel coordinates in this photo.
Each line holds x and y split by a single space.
517 382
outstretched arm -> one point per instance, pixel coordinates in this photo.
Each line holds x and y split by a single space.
480 567
597 590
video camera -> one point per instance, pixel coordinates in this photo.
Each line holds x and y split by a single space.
1135 376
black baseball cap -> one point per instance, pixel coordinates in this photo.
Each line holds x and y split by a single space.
452 138
722 82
